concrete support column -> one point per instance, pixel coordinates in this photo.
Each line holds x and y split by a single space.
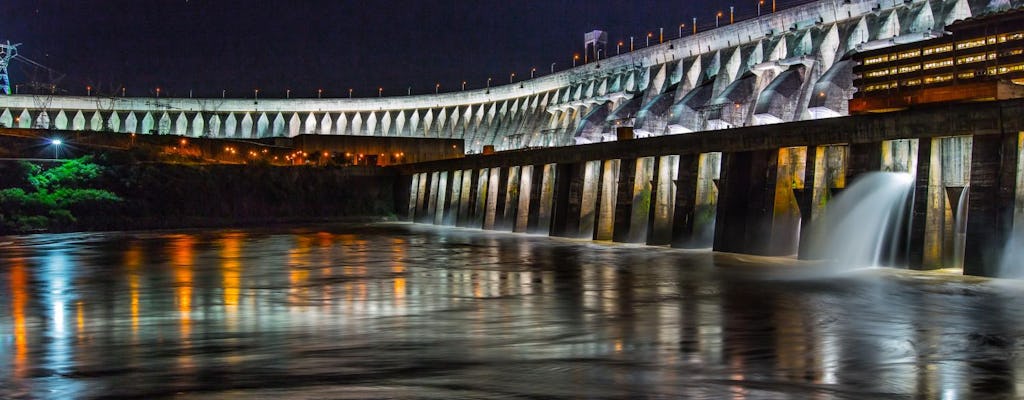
588 200
414 197
523 206
685 201
994 190
746 202
624 199
916 252
443 197
662 198
786 217
467 206
432 197
606 204
480 206
511 208
423 197
451 211
497 184
542 196
568 193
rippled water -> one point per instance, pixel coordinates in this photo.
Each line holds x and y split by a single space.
407 311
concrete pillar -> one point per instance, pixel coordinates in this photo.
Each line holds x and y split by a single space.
995 199
451 213
825 173
663 198
624 199
943 173
786 217
588 200
511 209
496 186
916 252
443 197
544 193
746 202
523 209
685 201
467 205
606 206
568 192
423 197
432 199
414 186
480 208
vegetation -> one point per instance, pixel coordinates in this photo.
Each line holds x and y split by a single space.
37 199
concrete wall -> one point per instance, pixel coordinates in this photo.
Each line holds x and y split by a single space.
786 66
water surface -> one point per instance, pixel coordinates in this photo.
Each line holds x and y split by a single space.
419 312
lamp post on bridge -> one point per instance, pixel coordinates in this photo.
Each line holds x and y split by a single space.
532 71
158 92
649 34
731 14
223 93
618 48
256 94
463 85
694 25
759 4
88 90
350 93
437 87
717 16
489 82
575 57
319 93
681 26
553 67
510 77
380 92
630 43
287 93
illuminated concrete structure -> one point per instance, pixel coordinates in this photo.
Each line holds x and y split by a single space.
786 66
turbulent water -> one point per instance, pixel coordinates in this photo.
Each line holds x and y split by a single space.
417 312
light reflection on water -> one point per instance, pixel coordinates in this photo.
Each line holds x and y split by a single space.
413 311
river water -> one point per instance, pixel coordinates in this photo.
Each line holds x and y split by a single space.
419 312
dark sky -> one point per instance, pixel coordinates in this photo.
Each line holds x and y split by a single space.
238 45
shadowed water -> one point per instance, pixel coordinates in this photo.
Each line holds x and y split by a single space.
418 312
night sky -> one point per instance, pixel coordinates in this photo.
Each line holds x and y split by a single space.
238 45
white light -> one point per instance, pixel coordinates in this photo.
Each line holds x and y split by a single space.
55 142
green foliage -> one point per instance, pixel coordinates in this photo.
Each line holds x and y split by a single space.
56 195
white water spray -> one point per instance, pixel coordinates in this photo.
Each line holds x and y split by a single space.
863 222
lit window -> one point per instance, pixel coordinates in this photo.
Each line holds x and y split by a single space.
938 79
970 44
912 82
937 49
965 75
938 63
876 60
971 58
1011 68
877 73
909 54
909 68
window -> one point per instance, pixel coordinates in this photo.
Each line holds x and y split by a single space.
938 63
937 49
876 60
909 68
877 73
965 75
970 44
908 54
938 79
971 58
912 82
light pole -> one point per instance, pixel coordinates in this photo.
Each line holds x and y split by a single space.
380 92
661 35
649 34
759 4
124 91
350 93
553 67
717 16
287 93
408 91
510 77
88 90
223 93
618 48
463 85
681 29
532 71
773 6
256 94
731 15
158 92
630 43
437 87
319 93
694 25
56 147
489 82
574 58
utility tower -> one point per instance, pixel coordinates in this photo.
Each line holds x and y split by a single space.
7 53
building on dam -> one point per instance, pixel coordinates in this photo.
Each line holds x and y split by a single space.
787 66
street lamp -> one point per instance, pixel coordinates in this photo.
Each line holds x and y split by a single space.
717 16
694 25
350 93
759 4
319 93
380 92
157 92
731 15
553 67
532 71
630 43
575 57
681 29
256 94
649 34
489 82
124 91
510 77
661 35
88 90
463 85
56 147
287 93
618 48
223 93
437 87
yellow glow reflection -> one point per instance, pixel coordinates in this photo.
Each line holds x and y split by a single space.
80 320
133 260
182 257
19 294
231 270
